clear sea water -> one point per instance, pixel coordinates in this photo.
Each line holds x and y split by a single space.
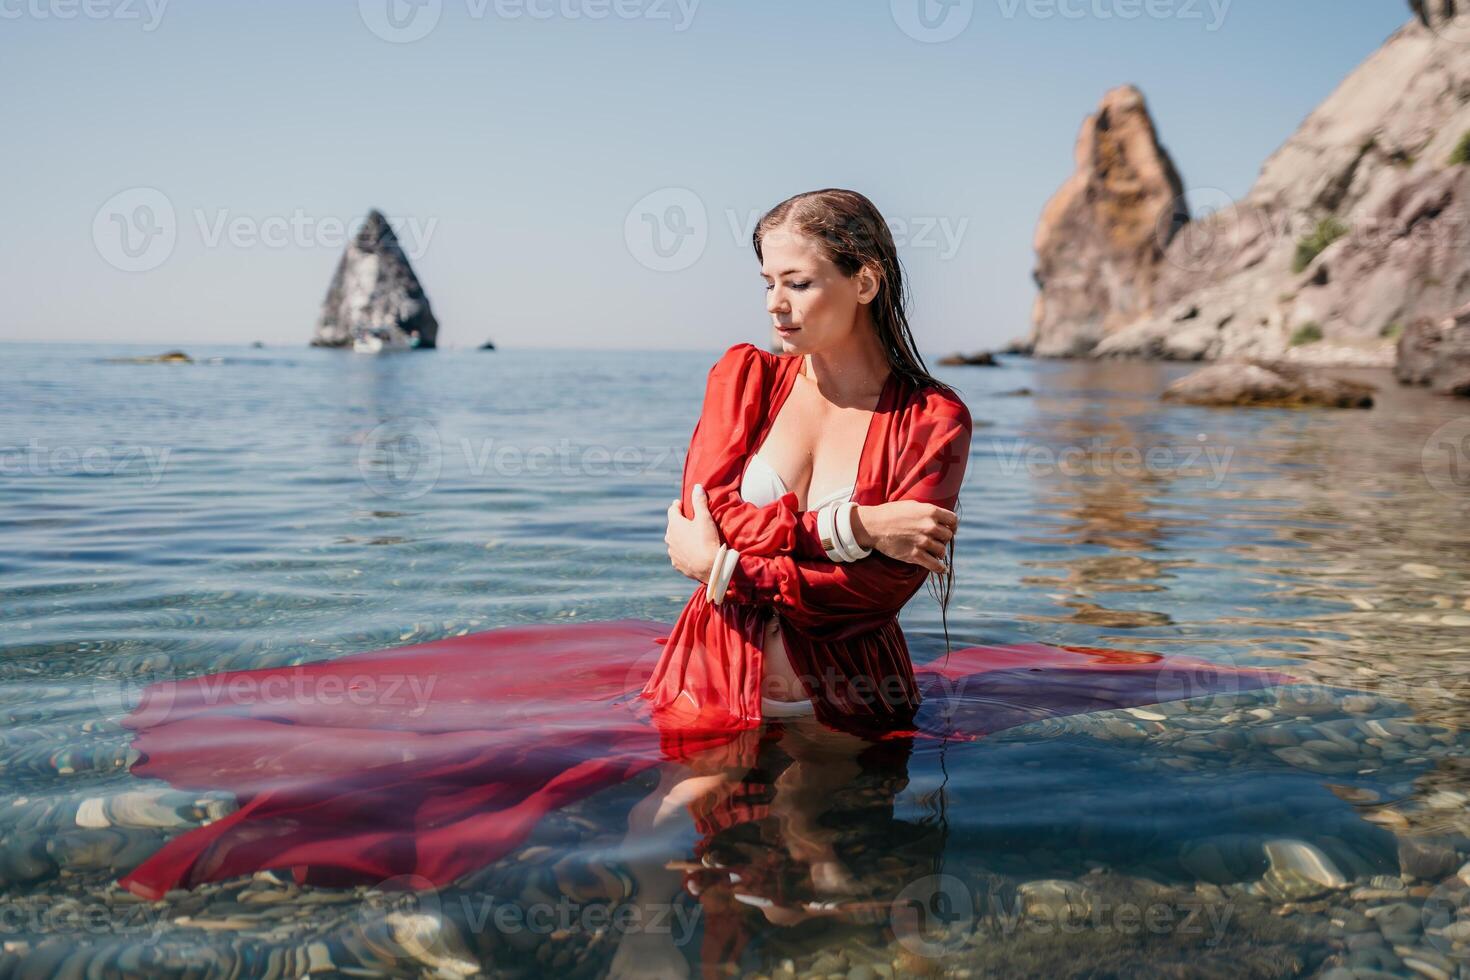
264 507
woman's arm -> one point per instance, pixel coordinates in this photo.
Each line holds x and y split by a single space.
831 601
735 397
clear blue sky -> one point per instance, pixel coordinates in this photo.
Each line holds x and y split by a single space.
519 145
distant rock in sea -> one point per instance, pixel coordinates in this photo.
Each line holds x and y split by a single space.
487 345
375 300
168 357
982 358
1101 239
1268 385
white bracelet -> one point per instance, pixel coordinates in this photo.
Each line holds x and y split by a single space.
827 533
830 531
845 533
720 580
714 571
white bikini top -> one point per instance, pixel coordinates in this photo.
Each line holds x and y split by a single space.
761 485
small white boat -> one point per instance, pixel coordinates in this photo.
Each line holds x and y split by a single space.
376 343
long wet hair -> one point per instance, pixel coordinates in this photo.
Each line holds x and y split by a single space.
852 233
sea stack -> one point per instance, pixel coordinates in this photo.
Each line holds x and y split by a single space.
1102 237
1353 234
375 300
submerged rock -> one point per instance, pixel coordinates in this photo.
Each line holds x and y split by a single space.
168 357
1265 384
1299 870
375 299
1101 238
1055 899
981 358
1437 353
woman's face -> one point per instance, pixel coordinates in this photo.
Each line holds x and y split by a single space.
813 306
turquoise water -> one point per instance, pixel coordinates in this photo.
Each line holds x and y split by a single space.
265 507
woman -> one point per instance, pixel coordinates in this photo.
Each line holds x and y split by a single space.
830 475
820 485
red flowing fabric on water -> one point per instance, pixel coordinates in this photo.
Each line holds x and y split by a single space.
434 759
425 762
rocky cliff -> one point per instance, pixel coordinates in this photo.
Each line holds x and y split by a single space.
1355 229
375 292
1102 237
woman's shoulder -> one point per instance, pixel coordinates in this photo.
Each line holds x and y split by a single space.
745 352
741 359
940 401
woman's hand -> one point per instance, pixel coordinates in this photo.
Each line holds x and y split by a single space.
693 543
909 530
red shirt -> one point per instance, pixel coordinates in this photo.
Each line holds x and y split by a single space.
839 619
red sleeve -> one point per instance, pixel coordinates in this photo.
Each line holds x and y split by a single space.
736 396
832 601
